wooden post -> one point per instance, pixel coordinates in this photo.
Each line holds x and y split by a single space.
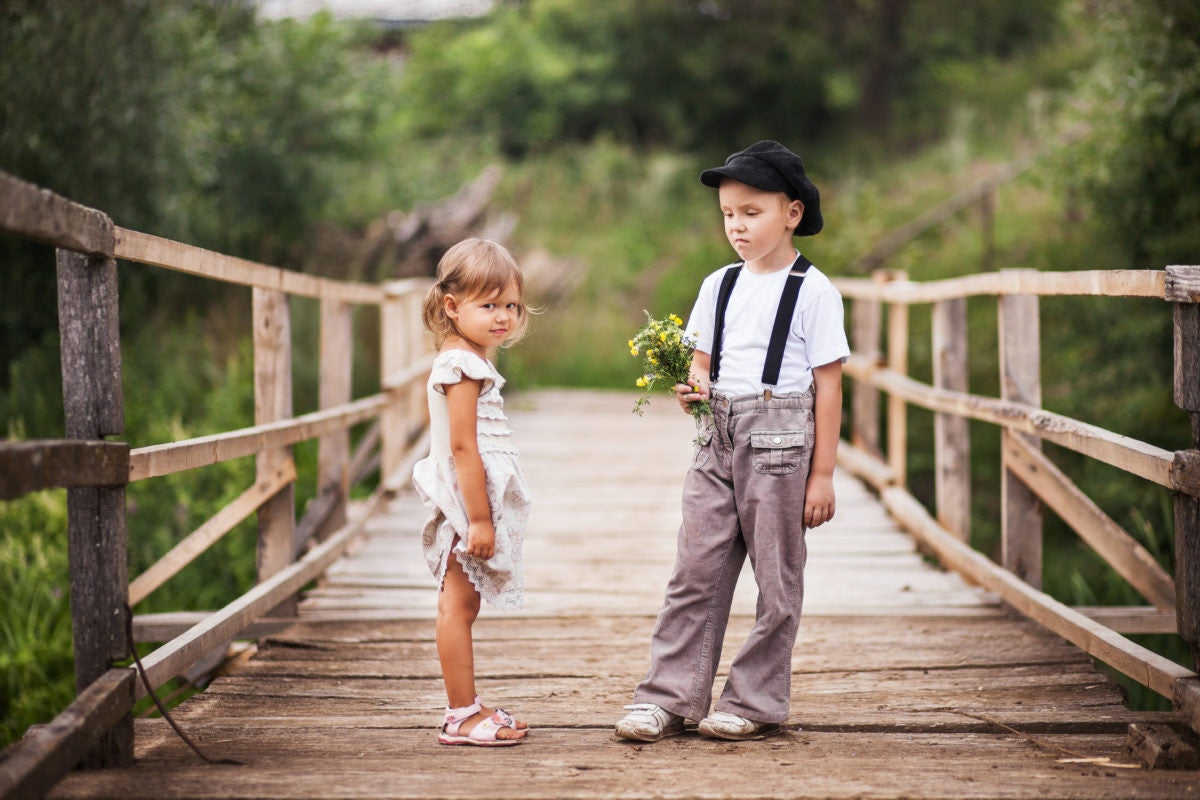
333 449
1183 288
93 405
1020 380
273 402
951 433
394 356
897 408
866 330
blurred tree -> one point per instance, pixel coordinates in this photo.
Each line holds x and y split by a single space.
1142 165
706 74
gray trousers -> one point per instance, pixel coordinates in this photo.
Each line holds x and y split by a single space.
744 495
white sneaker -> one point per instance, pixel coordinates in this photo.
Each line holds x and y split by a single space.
723 725
647 722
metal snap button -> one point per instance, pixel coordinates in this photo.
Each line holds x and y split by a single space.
778 440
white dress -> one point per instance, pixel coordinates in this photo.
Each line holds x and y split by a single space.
497 579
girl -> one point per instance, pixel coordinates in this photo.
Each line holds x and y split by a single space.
471 480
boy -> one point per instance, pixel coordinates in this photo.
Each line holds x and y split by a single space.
769 359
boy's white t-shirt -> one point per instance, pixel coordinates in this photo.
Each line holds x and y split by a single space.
817 336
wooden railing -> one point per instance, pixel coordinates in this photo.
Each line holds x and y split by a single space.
97 729
879 363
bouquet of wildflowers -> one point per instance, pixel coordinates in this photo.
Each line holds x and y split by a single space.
666 353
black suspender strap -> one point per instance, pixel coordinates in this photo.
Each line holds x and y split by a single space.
730 277
779 331
783 320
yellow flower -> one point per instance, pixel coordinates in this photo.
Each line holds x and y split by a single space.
662 337
631 344
675 319
633 351
641 382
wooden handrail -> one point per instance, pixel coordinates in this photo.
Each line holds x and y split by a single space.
1025 424
96 471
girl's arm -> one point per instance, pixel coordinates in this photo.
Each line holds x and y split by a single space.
462 403
699 377
819 502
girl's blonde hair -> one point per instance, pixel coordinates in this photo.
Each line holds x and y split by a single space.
473 268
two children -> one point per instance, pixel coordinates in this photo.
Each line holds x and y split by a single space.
768 358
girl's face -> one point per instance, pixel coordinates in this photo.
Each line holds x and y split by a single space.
758 224
485 321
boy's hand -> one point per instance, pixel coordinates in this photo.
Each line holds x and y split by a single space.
819 501
692 392
481 540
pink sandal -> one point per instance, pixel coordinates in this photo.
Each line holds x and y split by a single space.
483 734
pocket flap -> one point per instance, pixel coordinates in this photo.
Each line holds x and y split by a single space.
776 440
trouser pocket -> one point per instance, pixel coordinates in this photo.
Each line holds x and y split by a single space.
777 452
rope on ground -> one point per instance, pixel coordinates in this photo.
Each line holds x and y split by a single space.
158 703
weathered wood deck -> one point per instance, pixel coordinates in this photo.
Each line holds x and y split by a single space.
907 682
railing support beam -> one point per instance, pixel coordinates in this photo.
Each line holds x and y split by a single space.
1020 380
273 402
1183 284
952 437
93 405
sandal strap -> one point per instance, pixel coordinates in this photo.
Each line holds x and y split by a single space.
456 716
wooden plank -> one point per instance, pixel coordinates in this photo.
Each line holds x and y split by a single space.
1020 381
1083 283
168 254
32 766
97 539
951 433
1186 391
1131 619
1144 666
272 403
1183 284
334 389
166 626
897 410
36 464
164 459
39 214
221 626
1133 456
394 355
1118 549
866 332
209 533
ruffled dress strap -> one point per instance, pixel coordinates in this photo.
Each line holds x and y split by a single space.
453 365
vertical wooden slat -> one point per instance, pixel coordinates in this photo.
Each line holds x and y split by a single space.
866 321
333 450
897 409
394 356
1187 508
273 402
1020 380
951 433
93 404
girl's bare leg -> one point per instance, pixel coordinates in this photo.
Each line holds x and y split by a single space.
458 606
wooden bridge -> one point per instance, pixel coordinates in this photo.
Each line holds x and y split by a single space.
910 680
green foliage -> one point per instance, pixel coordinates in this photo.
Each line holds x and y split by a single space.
706 76
37 677
1141 167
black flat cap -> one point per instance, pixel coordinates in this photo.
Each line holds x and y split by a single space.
770 166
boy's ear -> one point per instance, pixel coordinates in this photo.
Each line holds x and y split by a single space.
795 214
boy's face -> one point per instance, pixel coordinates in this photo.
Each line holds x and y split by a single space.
758 224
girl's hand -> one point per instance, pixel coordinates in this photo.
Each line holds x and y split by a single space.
481 540
693 391
819 501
